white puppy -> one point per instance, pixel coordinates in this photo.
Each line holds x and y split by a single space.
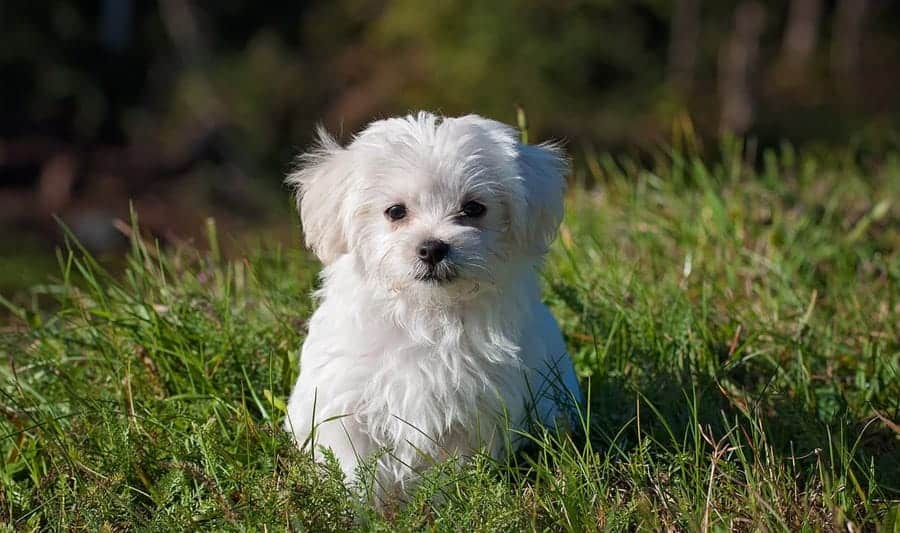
430 340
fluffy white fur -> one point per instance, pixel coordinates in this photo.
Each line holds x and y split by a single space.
414 371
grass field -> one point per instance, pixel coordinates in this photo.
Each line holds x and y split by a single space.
738 331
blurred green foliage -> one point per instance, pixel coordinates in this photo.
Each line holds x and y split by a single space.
594 71
580 59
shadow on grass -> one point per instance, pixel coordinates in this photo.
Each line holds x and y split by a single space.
674 412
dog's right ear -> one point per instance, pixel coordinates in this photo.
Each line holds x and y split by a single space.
321 182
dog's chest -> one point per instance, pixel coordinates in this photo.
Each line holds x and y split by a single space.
440 387
417 376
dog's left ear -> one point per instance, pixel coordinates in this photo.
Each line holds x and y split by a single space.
542 169
536 206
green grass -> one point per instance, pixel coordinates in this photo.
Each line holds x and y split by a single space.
737 331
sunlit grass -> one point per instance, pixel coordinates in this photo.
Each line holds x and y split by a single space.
737 331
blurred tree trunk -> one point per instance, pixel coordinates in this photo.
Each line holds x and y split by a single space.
683 46
116 24
738 65
181 24
849 21
183 27
801 37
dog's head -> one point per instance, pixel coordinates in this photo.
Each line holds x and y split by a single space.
430 204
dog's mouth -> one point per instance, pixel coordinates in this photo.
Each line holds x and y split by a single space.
437 276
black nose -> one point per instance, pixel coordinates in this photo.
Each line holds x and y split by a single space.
432 251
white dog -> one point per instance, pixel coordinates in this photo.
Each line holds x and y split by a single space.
430 340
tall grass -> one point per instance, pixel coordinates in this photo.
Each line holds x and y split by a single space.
737 331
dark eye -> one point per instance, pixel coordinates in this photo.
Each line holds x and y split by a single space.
396 212
473 209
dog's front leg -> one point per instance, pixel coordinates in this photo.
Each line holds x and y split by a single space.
347 442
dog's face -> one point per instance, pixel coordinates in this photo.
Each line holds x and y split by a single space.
431 206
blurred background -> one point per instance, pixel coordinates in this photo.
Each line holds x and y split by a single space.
188 109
